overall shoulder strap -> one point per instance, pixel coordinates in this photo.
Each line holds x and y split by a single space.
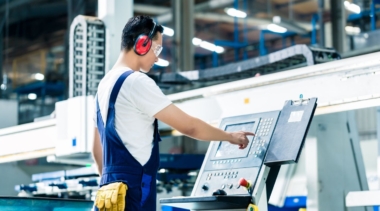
117 86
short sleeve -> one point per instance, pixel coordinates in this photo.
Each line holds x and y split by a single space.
147 96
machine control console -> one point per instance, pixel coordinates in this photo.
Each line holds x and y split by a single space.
232 178
225 164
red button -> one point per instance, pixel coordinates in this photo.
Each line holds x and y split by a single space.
243 182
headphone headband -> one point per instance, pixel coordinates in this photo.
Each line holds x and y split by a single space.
150 36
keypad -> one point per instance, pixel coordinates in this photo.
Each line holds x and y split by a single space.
264 126
223 174
226 161
260 141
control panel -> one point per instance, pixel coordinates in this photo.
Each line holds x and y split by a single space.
233 178
225 164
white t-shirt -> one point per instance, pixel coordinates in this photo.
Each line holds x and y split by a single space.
139 99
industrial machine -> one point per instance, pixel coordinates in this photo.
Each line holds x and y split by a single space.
231 178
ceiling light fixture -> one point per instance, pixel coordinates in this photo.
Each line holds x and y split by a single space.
162 62
276 28
211 47
32 96
276 19
197 41
235 13
168 31
39 76
352 7
207 45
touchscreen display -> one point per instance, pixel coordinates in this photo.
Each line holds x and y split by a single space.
228 150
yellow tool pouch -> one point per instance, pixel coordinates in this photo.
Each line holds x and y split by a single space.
111 197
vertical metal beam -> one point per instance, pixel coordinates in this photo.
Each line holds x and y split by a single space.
187 29
314 29
184 33
183 45
338 23
290 7
115 14
236 30
176 8
245 55
373 15
321 7
262 49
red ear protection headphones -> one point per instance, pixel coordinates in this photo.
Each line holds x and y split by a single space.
144 42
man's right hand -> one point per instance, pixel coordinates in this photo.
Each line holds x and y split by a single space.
240 138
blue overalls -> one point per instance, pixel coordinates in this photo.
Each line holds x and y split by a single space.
120 165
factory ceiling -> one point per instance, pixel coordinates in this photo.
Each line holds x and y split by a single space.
29 25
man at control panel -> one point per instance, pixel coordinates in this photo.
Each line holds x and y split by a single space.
128 105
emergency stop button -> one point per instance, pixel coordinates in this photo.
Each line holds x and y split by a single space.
243 182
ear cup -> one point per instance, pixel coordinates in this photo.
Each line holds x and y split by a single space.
142 44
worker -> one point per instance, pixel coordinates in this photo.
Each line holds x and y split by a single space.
128 105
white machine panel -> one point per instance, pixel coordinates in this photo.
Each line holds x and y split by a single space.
75 125
27 141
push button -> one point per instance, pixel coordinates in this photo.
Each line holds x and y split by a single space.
243 182
205 187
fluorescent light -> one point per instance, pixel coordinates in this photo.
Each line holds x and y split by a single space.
352 7
196 41
235 13
276 28
168 31
276 19
219 49
32 96
207 45
162 62
162 171
352 30
211 47
39 76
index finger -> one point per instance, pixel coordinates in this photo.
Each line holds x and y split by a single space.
248 133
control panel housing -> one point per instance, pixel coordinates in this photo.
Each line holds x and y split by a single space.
225 164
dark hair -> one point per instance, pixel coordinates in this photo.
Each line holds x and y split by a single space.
136 26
